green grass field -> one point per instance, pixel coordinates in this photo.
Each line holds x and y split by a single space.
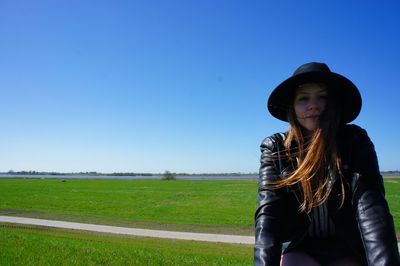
221 206
218 206
392 187
21 245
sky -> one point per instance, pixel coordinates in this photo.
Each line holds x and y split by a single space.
180 85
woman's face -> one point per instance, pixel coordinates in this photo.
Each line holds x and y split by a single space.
309 103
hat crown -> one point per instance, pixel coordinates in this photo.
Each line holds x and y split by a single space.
312 67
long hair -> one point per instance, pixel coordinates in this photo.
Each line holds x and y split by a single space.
316 157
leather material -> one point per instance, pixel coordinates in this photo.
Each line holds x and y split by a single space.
364 221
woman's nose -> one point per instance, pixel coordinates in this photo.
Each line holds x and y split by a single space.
313 104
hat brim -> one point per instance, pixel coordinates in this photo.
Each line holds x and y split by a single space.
348 96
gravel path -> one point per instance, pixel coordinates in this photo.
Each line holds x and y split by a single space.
233 239
132 231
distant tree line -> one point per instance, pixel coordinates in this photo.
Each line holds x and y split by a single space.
76 173
93 173
390 172
124 173
11 172
130 174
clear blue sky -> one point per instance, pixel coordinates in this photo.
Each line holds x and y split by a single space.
149 86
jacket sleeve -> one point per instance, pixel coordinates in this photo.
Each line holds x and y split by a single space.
371 209
271 204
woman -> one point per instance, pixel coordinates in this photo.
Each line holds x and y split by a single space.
321 195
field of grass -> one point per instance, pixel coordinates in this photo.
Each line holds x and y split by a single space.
220 206
215 206
21 245
392 187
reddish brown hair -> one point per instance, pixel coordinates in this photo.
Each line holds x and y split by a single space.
315 155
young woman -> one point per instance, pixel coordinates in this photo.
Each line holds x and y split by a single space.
321 195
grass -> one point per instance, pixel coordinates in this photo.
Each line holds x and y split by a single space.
215 206
392 187
38 246
221 206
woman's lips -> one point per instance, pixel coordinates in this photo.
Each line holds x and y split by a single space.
312 116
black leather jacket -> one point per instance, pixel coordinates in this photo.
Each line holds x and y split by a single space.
363 222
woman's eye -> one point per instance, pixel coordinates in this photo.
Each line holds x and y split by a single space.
323 97
302 99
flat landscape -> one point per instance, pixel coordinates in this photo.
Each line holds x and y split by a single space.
212 206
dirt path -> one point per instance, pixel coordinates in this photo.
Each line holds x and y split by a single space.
235 239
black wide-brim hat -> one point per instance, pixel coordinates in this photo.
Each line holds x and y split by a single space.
347 95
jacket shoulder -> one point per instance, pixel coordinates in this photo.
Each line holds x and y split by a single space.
353 130
355 133
272 142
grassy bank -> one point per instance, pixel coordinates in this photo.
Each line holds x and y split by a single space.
216 206
222 206
392 187
38 246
